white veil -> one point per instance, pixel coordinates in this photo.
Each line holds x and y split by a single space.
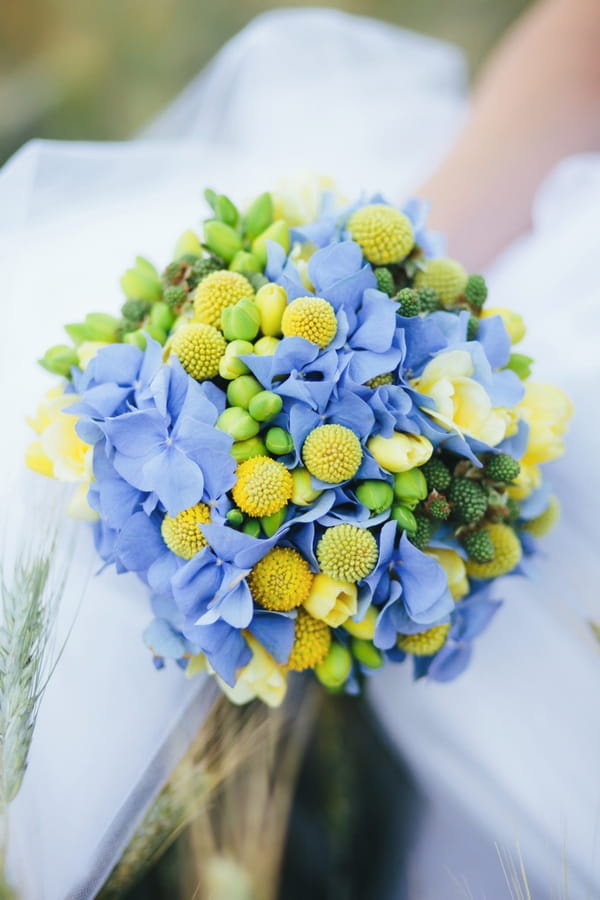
376 107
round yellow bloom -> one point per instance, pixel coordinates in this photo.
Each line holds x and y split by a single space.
384 233
262 678
217 291
400 452
426 643
332 453
330 600
263 486
462 404
447 278
347 552
181 533
312 640
455 569
546 520
513 322
311 318
281 580
507 553
199 349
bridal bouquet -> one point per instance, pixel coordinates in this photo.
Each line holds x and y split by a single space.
311 440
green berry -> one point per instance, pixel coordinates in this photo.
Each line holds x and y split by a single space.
203 267
479 546
476 291
468 499
135 310
409 303
428 298
437 475
422 535
174 296
173 273
472 328
256 279
439 508
501 468
385 280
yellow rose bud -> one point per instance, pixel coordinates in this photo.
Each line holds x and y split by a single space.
332 601
401 451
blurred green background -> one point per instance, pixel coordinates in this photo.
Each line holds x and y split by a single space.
99 69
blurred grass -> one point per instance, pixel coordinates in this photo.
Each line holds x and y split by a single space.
99 69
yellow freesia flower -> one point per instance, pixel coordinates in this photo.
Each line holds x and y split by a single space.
455 569
400 452
298 200
332 601
262 678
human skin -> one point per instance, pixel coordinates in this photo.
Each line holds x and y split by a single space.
537 100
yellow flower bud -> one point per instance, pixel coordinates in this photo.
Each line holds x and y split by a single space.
365 629
454 568
303 493
271 300
513 322
401 451
332 601
278 232
261 678
335 668
266 346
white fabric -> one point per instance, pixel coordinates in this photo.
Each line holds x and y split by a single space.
509 752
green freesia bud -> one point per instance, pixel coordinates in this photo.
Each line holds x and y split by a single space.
303 493
335 668
520 364
96 327
410 487
252 527
59 360
235 517
278 232
366 653
271 300
375 495
266 346
265 406
404 519
238 423
241 390
241 321
243 450
188 245
239 348
221 239
225 210
244 262
159 334
231 367
259 216
142 282
271 524
137 338
210 196
161 316
278 441
365 629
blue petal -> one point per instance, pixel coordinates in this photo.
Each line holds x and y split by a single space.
163 640
427 597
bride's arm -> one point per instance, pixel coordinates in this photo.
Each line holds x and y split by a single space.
538 100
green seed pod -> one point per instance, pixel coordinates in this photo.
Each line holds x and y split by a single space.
241 390
137 338
161 316
252 527
335 668
225 210
221 239
242 450
410 487
59 360
241 321
265 406
278 441
244 262
404 519
235 517
366 652
271 301
375 495
238 423
187 245
271 524
266 346
278 232
259 216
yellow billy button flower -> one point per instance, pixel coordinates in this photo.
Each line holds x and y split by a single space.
312 640
347 552
401 452
332 453
513 322
546 520
455 569
199 349
547 411
281 580
311 318
447 278
462 404
263 486
262 678
426 643
330 600
384 234
181 533
507 553
218 291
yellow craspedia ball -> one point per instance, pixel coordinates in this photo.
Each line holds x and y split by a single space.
281 580
312 640
311 318
332 453
384 233
215 292
426 643
447 278
181 533
263 486
199 349
347 552
507 553
546 520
